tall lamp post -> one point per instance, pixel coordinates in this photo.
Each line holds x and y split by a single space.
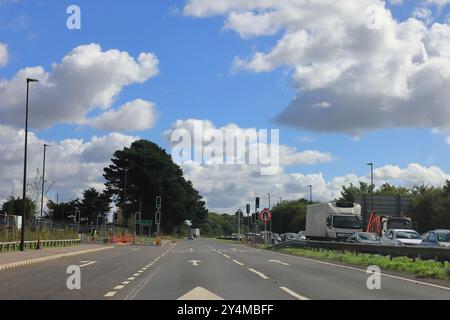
372 187
270 209
24 194
310 193
43 181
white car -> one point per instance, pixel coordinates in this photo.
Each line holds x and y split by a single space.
402 237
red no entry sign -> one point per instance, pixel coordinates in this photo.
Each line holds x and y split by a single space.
265 216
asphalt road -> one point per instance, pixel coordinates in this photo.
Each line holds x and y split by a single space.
204 269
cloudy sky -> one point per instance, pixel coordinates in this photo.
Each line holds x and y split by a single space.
345 82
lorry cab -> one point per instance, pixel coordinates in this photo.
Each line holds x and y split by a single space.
333 221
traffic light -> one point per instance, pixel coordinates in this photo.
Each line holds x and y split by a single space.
158 217
248 209
257 204
158 202
254 218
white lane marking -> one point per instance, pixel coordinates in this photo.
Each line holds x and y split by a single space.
120 287
145 268
365 271
195 262
228 257
294 294
200 294
262 275
136 250
110 294
239 263
126 282
87 263
280 262
131 278
136 275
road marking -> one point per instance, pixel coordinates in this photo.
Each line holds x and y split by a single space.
125 283
280 262
136 250
110 294
294 294
195 262
140 271
228 257
262 275
365 271
120 287
136 275
87 263
239 263
131 278
200 294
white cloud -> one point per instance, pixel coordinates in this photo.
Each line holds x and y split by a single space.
136 115
288 156
73 164
3 54
227 188
87 78
375 72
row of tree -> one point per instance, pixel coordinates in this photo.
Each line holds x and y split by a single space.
135 178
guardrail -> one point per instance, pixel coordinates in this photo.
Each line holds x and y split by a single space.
438 254
14 246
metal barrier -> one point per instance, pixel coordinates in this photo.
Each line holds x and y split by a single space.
14 246
438 254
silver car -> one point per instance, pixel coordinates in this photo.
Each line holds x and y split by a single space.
437 238
402 237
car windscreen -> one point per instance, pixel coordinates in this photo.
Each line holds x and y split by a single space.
347 222
408 235
399 224
443 237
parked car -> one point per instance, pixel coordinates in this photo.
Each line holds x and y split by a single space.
290 236
301 235
437 238
365 238
402 237
275 238
191 237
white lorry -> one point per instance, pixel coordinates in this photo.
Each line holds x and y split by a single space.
333 221
195 233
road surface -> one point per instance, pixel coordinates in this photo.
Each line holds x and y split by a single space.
204 269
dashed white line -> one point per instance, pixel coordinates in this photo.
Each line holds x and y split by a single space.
262 275
110 294
239 263
131 278
228 257
294 294
126 282
120 287
136 275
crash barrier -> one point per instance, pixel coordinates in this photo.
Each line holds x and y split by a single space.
413 252
15 246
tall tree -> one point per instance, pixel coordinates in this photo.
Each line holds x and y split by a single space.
140 173
94 204
14 206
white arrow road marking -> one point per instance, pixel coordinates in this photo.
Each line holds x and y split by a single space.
294 294
195 262
200 294
86 263
280 262
262 275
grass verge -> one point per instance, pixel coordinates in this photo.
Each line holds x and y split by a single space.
420 268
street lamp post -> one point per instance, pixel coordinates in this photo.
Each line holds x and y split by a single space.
24 194
43 181
310 194
270 209
372 186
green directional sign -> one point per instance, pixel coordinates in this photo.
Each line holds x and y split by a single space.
146 223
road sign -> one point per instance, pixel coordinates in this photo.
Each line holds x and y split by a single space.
265 216
146 223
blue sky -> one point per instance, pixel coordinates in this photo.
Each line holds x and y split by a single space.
196 81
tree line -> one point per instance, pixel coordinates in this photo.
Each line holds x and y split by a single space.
133 180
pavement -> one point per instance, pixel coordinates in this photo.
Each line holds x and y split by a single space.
205 269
